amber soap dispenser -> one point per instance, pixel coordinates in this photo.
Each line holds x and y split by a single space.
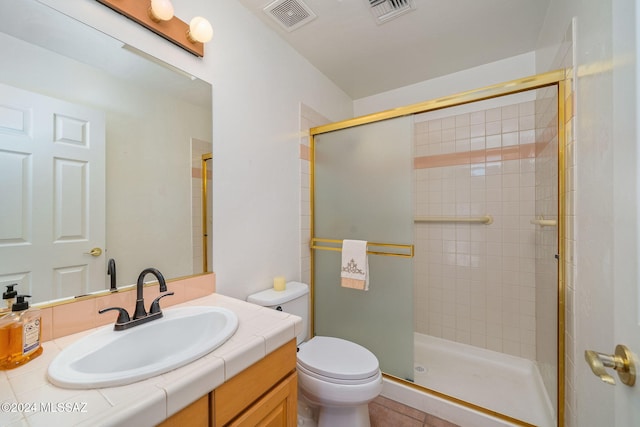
20 333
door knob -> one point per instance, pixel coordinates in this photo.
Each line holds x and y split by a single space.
621 362
94 252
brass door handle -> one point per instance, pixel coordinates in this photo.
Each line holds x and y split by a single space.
94 252
621 362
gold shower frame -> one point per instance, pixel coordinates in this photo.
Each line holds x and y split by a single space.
556 78
205 212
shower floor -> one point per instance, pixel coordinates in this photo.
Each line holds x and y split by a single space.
502 383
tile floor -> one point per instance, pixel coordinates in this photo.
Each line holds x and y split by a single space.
389 413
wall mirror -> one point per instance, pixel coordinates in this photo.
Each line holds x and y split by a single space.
153 124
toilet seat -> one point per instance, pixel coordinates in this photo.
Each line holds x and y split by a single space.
337 361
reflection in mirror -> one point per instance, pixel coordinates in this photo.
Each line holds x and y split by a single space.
156 124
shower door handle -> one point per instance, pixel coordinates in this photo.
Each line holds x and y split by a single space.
621 362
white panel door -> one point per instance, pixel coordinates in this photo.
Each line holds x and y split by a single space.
52 175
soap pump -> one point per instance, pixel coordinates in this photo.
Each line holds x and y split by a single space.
10 297
21 332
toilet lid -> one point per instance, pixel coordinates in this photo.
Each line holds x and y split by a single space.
337 358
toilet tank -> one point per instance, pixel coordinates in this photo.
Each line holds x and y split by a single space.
294 299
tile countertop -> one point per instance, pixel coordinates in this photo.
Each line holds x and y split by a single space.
28 399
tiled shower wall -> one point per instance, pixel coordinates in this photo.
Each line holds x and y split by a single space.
475 283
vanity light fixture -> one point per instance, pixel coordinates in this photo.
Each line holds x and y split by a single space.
157 16
199 30
160 10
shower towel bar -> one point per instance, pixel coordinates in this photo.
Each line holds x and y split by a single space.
408 248
544 222
487 219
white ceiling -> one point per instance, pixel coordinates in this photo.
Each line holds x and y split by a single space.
439 37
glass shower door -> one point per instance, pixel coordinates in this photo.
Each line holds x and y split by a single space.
363 191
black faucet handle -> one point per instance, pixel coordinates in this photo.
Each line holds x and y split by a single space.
155 305
123 317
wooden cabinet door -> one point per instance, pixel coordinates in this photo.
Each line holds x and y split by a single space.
278 408
243 390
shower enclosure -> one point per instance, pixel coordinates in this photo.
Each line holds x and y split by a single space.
459 201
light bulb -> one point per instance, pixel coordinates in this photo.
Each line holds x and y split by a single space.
161 10
199 30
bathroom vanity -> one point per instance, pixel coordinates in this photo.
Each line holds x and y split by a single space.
250 379
263 394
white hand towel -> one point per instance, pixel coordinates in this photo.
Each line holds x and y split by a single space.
355 267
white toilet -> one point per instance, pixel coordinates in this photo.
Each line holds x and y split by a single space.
337 378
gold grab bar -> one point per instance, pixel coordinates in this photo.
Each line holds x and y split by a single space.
544 222
487 219
410 248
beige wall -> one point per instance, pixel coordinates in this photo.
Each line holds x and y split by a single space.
309 118
484 75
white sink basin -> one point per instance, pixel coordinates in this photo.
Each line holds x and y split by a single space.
108 358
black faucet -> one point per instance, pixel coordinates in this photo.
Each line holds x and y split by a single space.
140 311
140 315
111 271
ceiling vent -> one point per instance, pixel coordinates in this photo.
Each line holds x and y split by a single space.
386 10
290 14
